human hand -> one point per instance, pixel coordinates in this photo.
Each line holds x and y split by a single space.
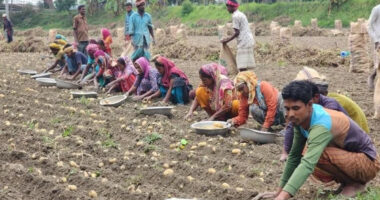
231 121
189 115
264 129
265 195
137 98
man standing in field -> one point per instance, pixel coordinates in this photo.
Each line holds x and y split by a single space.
128 7
334 143
245 42
8 28
81 29
140 26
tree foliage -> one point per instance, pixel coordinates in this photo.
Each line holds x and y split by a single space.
64 5
115 6
187 8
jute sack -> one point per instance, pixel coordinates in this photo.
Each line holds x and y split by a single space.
338 24
228 59
52 34
314 23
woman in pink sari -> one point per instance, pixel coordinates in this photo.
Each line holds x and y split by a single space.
107 39
173 83
215 94
125 75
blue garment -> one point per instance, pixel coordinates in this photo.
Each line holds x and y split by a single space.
127 21
138 29
318 117
78 59
177 94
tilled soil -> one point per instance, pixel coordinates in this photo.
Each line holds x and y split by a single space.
50 141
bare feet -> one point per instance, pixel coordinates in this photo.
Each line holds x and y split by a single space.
350 190
284 157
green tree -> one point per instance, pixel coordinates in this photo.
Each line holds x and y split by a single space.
187 8
64 5
114 6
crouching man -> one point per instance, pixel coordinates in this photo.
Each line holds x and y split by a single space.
326 140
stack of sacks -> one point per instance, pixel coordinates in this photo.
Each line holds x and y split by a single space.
173 30
52 34
338 28
159 33
181 34
275 30
285 35
358 43
314 23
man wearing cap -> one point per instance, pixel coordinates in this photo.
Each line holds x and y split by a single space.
81 29
8 28
75 62
140 29
245 41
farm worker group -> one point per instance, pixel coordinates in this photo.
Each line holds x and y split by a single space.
326 135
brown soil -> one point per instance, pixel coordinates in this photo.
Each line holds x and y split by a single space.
34 120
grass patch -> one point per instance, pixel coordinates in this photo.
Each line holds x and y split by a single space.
68 131
108 142
150 139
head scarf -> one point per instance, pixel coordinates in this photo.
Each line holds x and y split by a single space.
105 33
92 41
68 49
55 46
99 53
145 66
170 68
233 3
60 37
250 79
92 48
60 42
139 2
4 15
221 83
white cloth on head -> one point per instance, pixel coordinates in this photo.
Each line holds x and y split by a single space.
374 24
240 22
4 15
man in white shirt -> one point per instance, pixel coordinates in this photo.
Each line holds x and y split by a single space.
245 42
374 32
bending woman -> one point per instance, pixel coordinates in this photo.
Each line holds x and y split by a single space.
261 99
215 94
173 83
146 81
125 75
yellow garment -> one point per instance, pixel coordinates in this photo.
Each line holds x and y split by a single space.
68 49
202 95
353 110
60 55
60 42
55 46
250 79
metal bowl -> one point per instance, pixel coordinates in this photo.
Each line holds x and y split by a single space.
67 85
114 101
27 72
209 128
162 110
42 75
46 81
257 136
87 94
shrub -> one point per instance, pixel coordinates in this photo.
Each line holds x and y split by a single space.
187 8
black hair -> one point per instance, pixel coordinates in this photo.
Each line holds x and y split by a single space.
203 74
314 88
101 42
92 41
80 7
156 63
121 61
128 4
66 46
297 91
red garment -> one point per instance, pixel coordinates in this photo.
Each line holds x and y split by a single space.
170 69
127 81
271 98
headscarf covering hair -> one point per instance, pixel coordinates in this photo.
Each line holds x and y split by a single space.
105 33
221 83
99 53
139 2
144 65
92 41
250 79
55 46
233 3
60 37
68 49
169 68
60 42
92 48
